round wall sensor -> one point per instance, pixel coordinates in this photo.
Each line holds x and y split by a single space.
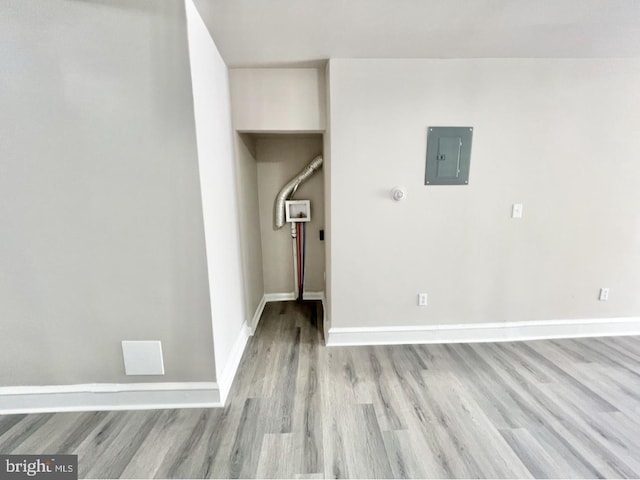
398 193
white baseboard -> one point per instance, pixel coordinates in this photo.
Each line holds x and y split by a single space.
257 314
484 332
325 320
225 380
283 297
108 396
279 297
313 295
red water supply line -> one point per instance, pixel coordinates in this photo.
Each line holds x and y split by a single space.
300 259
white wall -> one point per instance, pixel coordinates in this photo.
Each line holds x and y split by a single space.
212 110
278 99
280 158
560 136
326 173
100 209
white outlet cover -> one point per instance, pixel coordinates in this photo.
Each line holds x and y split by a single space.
143 357
516 210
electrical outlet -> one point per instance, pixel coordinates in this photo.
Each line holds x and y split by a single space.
516 210
422 300
604 294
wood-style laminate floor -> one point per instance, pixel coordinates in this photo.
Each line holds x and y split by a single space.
556 409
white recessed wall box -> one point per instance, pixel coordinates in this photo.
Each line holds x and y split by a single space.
297 210
448 155
142 357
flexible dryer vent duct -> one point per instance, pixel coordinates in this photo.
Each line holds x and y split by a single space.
290 188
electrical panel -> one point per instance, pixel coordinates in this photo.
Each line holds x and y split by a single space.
448 155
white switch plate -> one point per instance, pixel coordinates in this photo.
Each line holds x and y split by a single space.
142 357
604 294
516 210
422 300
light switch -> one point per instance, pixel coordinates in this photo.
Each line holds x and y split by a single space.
516 211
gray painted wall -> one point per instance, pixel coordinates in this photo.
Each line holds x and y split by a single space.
559 136
100 207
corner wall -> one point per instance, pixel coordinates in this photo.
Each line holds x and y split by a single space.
212 109
559 136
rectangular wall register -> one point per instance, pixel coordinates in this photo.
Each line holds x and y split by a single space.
448 155
143 357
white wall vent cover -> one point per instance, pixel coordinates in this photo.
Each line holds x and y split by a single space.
143 357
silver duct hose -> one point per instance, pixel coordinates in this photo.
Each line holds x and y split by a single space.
290 188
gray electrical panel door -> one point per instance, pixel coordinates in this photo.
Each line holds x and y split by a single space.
448 155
